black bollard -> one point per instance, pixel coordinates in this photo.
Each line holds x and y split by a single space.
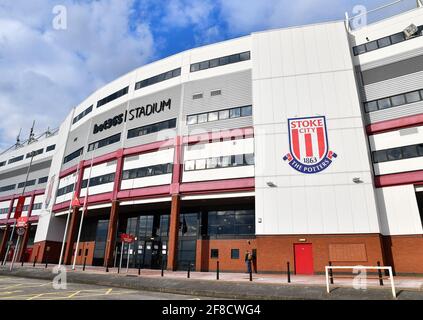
46 261
33 265
162 269
139 268
217 270
288 272
379 271
330 273
189 270
22 263
251 271
118 269
85 262
107 267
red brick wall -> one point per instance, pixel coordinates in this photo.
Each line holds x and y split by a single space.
404 253
274 252
205 263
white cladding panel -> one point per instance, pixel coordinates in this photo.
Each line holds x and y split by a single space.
4 205
64 182
144 160
396 138
38 199
303 72
96 171
399 211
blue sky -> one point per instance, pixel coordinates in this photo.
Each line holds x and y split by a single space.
45 72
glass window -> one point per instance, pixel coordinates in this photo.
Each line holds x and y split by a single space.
211 163
398 37
234 253
394 154
197 96
214 253
244 56
384 42
420 149
202 118
223 61
200 164
214 63
370 46
213 116
224 114
246 111
412 97
398 100
380 156
224 161
359 49
410 152
235 113
192 119
384 103
195 67
238 160
204 65
234 58
249 159
189 165
370 106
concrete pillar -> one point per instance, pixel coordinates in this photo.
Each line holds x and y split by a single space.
111 234
70 239
172 255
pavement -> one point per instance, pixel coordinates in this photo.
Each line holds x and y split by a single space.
230 285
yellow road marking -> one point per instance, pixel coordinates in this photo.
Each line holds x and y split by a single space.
9 292
36 296
73 294
86 296
108 291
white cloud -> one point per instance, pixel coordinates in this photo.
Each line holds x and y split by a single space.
46 72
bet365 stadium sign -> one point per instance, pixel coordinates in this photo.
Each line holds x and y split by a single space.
308 143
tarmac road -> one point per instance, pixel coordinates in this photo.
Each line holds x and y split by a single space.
16 288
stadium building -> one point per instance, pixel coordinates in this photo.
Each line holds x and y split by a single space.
302 145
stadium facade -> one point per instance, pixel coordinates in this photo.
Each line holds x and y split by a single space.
302 145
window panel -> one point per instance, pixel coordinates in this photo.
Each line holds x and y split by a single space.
246 111
213 116
398 37
412 97
192 119
394 154
235 113
371 46
224 114
409 152
384 103
371 106
202 118
200 164
398 100
384 42
189 165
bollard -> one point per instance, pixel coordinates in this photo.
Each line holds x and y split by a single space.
251 271
107 267
22 263
331 273
380 274
85 262
162 268
189 270
217 270
33 265
46 261
118 269
288 272
139 269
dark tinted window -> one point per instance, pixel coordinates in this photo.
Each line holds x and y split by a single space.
214 253
393 154
234 253
398 37
152 128
112 97
371 46
216 62
384 42
16 159
50 148
73 155
159 78
42 180
104 142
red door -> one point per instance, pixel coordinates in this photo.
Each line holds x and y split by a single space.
303 258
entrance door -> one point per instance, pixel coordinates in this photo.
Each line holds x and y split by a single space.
303 258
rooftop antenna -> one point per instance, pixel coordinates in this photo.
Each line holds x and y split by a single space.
48 132
31 134
18 139
419 3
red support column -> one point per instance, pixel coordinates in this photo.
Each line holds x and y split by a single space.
24 244
70 238
111 234
3 244
172 255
